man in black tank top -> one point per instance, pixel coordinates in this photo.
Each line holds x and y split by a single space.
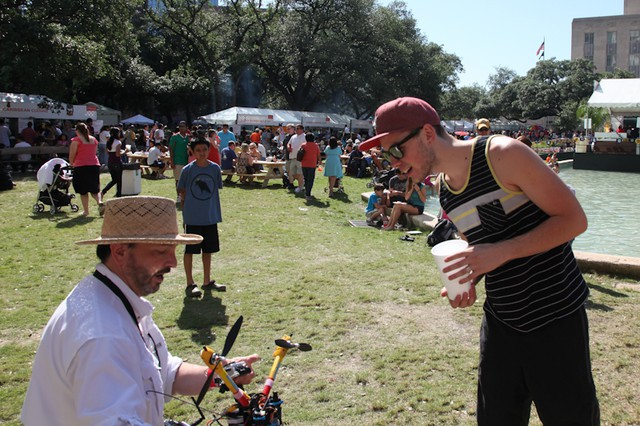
518 217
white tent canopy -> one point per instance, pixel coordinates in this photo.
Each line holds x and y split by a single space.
457 125
138 119
274 117
618 95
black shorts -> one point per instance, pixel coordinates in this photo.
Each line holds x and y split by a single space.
158 163
420 208
210 241
86 179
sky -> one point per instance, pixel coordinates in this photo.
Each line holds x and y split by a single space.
503 33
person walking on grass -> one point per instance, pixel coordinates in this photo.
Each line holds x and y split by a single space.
519 219
179 151
309 163
86 168
198 187
114 162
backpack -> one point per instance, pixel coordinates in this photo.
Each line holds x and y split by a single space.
443 231
300 154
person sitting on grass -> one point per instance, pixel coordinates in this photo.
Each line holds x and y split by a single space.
375 210
198 187
415 196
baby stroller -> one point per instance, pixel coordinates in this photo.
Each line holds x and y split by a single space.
54 178
383 177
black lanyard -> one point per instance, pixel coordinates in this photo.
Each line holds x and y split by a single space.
114 288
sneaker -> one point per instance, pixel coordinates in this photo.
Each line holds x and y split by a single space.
309 198
192 290
298 190
214 286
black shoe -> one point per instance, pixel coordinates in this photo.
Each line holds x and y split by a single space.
192 290
214 286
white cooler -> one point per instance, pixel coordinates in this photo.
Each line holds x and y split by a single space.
131 179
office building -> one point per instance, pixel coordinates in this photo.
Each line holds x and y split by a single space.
610 42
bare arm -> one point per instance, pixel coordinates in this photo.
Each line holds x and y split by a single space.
520 169
73 150
190 377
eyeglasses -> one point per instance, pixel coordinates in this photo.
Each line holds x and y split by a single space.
394 150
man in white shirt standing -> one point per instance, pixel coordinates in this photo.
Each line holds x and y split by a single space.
102 360
294 167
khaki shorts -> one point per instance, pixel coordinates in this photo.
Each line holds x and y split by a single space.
177 169
294 167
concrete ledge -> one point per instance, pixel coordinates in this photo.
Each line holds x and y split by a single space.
623 266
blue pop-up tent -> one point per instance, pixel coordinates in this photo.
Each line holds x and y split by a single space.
138 119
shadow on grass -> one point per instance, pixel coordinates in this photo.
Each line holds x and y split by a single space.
200 315
608 291
66 222
598 306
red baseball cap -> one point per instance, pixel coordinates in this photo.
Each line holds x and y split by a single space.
399 115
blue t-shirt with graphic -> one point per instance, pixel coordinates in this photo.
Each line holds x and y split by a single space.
202 199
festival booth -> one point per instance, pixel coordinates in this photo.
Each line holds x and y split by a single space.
245 116
107 116
20 109
614 151
452 126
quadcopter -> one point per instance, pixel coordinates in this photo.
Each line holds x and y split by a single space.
259 409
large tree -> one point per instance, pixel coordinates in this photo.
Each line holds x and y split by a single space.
346 55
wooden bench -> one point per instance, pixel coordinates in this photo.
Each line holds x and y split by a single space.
149 171
40 155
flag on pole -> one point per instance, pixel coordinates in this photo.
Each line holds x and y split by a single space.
540 49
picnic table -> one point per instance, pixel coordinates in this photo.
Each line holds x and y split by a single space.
273 169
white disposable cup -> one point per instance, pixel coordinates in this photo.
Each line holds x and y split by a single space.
440 252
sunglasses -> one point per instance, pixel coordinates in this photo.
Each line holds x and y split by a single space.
394 150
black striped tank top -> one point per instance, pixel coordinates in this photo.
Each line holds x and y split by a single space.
524 293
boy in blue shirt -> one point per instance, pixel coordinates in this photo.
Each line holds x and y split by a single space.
375 209
198 187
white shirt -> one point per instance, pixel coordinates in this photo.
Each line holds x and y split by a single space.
103 137
262 151
158 135
93 366
23 157
295 143
154 155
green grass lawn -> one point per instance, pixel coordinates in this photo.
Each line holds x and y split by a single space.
386 348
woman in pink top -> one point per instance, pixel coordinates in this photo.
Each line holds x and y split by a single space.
86 168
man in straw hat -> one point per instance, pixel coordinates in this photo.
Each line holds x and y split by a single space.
519 219
102 359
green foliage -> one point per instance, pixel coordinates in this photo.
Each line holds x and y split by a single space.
598 116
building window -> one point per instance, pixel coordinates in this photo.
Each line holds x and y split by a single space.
612 50
634 63
588 46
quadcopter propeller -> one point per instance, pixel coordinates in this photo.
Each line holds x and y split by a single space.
228 344
287 344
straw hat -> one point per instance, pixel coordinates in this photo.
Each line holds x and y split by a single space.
150 220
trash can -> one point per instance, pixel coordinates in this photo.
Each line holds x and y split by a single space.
131 179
